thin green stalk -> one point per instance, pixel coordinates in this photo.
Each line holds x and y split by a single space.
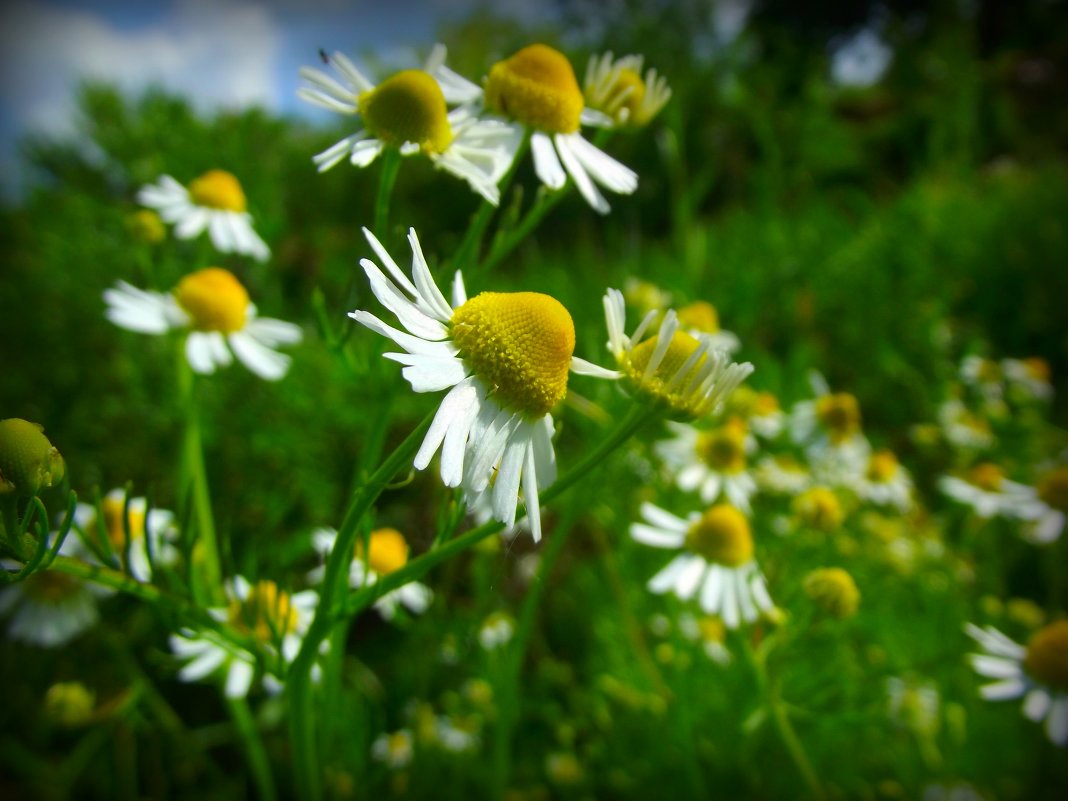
391 161
258 761
206 576
301 715
507 243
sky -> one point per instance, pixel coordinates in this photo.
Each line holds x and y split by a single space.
219 53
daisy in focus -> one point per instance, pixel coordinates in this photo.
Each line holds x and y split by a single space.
885 482
408 112
1037 673
711 462
537 90
48 609
505 359
689 377
717 566
215 201
986 490
387 552
274 619
616 87
151 531
214 307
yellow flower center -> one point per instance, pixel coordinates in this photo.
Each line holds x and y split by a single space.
679 350
50 587
723 448
700 315
266 614
712 629
1037 368
145 226
1047 655
537 87
766 404
721 535
833 590
214 299
389 551
839 414
986 476
988 372
819 508
113 522
882 467
1053 489
217 189
520 345
627 80
408 107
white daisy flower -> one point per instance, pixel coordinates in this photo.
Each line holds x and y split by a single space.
1047 514
537 89
149 529
818 508
984 376
48 608
717 565
829 428
616 87
759 410
1037 673
456 737
886 482
496 631
388 551
504 357
701 319
690 377
214 201
710 632
276 620
989 493
395 749
962 428
781 475
1031 376
215 309
711 463
914 704
408 112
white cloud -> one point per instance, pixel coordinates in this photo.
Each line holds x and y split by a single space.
219 54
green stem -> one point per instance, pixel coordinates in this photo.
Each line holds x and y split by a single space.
507 243
391 161
206 573
301 716
256 754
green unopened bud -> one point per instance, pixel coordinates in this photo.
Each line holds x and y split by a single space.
69 704
28 461
833 591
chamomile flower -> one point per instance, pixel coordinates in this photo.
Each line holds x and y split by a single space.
963 428
1037 673
818 508
914 704
1047 514
829 428
537 89
504 357
408 112
709 631
496 630
700 319
833 591
274 619
150 530
711 462
781 475
986 490
214 307
616 87
760 411
885 482
984 376
1029 376
718 564
394 749
387 551
48 608
214 201
689 377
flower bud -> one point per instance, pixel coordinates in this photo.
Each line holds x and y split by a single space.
69 704
28 461
833 591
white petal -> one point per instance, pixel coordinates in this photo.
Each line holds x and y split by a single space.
666 578
604 169
193 223
430 373
410 343
690 578
260 359
583 367
506 487
994 667
206 663
199 352
453 407
137 310
406 312
546 164
1037 704
1003 690
424 281
730 599
530 494
656 537
365 152
712 591
272 333
666 520
1057 722
578 174
239 679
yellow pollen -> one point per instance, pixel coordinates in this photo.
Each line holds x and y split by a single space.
701 315
266 614
986 476
1053 489
1037 368
1047 656
408 107
629 81
520 345
723 448
882 467
839 414
679 350
819 508
833 590
214 299
537 87
389 551
721 535
217 189
112 507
